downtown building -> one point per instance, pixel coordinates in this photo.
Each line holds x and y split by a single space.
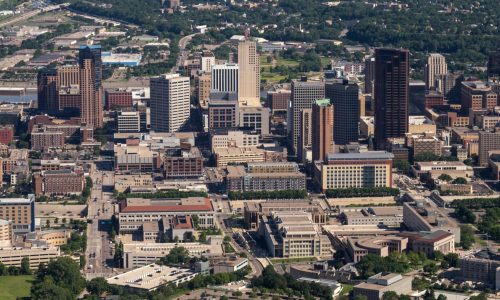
170 103
304 93
436 66
391 95
344 96
355 170
76 89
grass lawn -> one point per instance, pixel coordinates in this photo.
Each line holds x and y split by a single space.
325 61
346 289
12 287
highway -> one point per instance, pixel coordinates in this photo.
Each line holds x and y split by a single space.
27 15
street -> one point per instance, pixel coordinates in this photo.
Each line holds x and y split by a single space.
99 208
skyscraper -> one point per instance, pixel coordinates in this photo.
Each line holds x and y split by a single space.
170 102
322 129
494 64
436 65
304 93
345 99
249 83
369 74
225 78
94 53
47 90
91 92
391 94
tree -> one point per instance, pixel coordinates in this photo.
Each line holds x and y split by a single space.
25 266
360 297
47 289
431 268
64 273
3 270
459 180
445 177
441 297
97 285
390 295
402 165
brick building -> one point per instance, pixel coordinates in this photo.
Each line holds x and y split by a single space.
183 163
117 98
6 134
61 182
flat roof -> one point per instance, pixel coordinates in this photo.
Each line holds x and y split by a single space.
17 200
361 156
166 205
150 277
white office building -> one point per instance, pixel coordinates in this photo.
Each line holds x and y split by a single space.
170 102
225 78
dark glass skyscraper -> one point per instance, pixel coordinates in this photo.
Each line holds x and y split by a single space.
391 94
94 53
345 99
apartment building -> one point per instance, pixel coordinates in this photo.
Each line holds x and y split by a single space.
239 179
238 155
477 95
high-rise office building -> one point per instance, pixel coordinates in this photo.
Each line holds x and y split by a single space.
203 87
225 78
494 64
304 93
91 91
391 94
322 129
488 141
47 90
436 65
249 63
345 99
369 74
170 102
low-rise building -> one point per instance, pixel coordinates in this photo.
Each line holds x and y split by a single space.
421 125
135 157
357 248
5 233
223 138
140 254
253 211
127 182
238 155
391 216
13 256
228 264
293 234
183 163
6 134
434 169
128 121
117 98
151 277
60 182
426 216
430 242
136 211
375 287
